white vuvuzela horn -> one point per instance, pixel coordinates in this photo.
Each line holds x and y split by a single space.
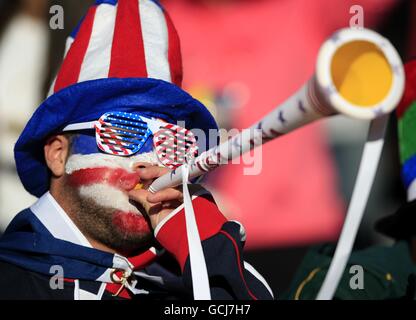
358 73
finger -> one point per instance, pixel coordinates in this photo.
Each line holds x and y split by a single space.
140 197
154 212
161 210
150 173
165 195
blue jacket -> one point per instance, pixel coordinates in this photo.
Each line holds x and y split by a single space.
44 256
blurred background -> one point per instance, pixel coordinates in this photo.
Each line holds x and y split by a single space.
241 59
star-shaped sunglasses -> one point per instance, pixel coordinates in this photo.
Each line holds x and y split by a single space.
124 134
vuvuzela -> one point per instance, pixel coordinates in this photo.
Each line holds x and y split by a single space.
358 73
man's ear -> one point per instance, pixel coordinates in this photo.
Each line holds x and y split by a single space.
56 151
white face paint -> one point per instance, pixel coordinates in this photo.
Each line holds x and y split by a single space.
96 160
103 194
108 197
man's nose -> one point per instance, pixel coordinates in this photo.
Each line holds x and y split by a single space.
128 181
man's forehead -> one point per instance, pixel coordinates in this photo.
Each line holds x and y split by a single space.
101 160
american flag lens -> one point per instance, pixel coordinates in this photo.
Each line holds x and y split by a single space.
175 145
124 134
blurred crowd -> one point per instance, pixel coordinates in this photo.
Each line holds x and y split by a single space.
29 55
24 46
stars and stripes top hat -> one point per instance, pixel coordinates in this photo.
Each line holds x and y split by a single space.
124 56
122 39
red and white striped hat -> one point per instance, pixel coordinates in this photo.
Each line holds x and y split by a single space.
122 39
124 56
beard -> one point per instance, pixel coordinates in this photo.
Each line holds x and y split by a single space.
104 213
124 231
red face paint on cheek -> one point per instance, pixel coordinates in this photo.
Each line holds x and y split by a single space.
118 178
128 222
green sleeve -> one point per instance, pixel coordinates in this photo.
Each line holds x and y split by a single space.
376 286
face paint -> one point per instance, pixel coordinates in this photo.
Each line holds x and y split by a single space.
98 160
108 197
101 168
130 223
118 178
105 180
